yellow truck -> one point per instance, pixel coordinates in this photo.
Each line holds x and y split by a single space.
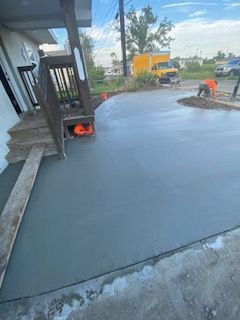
158 64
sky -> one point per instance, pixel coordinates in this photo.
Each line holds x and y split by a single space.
201 27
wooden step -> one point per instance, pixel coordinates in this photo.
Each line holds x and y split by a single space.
13 212
20 154
30 141
28 133
29 122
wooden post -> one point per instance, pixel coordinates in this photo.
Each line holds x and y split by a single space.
77 53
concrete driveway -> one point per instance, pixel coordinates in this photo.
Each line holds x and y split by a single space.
156 177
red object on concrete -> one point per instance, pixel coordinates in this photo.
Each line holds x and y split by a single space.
83 129
104 96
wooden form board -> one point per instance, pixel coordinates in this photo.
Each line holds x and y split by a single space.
226 103
13 212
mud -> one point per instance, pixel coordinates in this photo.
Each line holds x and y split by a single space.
198 102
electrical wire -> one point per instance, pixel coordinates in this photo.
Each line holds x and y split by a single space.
108 17
105 39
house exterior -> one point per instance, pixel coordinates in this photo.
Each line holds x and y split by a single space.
117 69
184 61
24 25
17 49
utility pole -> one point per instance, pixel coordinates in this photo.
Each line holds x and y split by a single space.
123 40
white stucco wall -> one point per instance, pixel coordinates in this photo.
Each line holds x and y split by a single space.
8 117
14 45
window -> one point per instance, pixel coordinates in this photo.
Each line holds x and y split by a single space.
234 62
165 65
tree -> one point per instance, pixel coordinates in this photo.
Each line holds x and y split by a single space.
145 32
231 55
114 58
220 55
87 43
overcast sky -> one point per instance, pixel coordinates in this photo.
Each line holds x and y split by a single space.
201 27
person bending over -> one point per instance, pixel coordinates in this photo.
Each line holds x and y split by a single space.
209 87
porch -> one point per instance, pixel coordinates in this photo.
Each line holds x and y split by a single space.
58 85
60 89
141 187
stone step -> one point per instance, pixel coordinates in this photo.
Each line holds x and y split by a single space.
30 141
29 122
29 133
20 154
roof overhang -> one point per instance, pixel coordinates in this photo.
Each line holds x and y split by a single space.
41 36
41 14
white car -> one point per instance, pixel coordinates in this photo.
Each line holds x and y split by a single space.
231 68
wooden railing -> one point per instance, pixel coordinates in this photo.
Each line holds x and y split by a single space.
62 72
29 80
47 97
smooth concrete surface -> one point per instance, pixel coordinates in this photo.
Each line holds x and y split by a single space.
156 176
199 282
7 181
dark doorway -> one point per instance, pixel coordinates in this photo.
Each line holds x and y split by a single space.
8 89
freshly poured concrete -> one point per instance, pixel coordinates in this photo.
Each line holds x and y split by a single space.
157 176
7 181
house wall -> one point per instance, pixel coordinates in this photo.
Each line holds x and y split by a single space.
8 119
13 54
13 42
183 62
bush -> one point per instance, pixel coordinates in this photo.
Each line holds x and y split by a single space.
118 81
176 64
193 66
96 73
146 79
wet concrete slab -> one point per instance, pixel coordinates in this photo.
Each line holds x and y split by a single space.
157 176
8 179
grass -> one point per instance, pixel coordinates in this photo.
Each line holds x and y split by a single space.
108 86
207 71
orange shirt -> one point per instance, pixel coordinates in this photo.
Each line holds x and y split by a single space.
212 85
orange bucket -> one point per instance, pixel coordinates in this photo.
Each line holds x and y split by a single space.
83 129
103 96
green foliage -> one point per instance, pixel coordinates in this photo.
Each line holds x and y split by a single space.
96 73
208 61
220 55
176 64
207 71
116 84
87 43
114 57
141 36
146 79
193 66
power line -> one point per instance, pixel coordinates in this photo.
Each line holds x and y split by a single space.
128 2
108 17
95 13
105 39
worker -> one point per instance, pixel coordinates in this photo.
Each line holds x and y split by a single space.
207 86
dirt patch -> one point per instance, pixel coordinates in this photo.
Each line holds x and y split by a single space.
203 103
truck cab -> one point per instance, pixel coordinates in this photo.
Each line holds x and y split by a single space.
165 71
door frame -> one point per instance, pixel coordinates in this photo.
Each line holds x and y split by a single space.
11 81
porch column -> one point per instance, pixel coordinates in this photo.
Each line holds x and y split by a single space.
77 53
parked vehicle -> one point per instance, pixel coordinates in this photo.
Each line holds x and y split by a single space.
158 64
231 68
